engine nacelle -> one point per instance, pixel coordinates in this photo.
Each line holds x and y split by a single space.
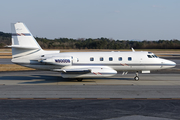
62 61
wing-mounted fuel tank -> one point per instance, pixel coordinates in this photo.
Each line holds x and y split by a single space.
62 61
88 72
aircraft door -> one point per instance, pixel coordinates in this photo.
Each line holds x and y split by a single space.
141 60
161 64
75 60
141 63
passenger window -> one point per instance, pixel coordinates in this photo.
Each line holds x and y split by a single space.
101 59
129 58
91 59
110 59
120 58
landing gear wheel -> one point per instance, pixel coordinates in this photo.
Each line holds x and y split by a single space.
136 78
79 79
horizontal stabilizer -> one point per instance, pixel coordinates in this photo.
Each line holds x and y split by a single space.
24 47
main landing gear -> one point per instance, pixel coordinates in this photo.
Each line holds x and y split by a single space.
79 79
136 77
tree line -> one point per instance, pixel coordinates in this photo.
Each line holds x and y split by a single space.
99 43
5 39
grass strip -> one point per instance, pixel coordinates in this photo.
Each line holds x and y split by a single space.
13 67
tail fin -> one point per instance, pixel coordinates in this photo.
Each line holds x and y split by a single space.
24 46
22 37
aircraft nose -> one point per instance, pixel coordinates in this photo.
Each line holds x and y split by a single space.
169 63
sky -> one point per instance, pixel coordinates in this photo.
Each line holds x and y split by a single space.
114 19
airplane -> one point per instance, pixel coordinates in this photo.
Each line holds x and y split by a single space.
78 65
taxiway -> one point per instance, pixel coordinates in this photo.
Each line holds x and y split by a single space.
45 95
46 84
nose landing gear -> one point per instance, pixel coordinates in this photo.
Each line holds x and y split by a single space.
136 78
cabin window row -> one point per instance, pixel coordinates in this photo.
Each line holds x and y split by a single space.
110 59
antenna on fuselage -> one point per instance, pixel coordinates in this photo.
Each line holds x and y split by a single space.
133 50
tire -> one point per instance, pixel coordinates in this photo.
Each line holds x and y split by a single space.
136 78
79 79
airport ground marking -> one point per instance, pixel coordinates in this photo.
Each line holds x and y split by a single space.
89 98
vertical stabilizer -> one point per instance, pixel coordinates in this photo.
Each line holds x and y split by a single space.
24 46
25 49
22 37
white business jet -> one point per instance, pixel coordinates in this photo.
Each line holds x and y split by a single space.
27 52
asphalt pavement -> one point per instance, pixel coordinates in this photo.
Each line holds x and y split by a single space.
89 109
44 95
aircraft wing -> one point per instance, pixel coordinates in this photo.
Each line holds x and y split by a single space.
72 70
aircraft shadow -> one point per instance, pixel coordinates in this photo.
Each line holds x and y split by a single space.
34 79
38 79
110 79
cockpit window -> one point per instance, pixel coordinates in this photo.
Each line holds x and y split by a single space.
155 56
149 56
152 56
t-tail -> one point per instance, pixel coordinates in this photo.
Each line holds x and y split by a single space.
22 37
25 49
